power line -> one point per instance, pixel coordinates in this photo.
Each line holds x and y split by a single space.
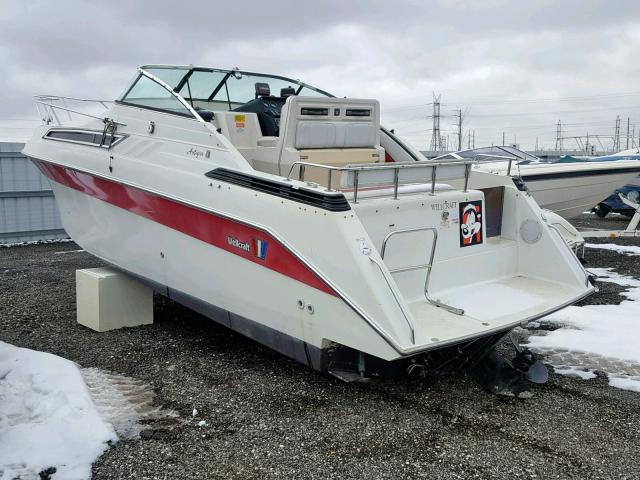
527 100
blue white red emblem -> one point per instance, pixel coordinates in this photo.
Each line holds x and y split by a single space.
261 248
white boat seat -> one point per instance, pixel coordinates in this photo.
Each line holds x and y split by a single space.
313 134
336 157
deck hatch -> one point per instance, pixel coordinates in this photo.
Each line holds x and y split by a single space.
325 201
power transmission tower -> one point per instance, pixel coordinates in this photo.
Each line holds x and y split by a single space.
469 139
459 125
474 139
586 148
627 134
559 136
436 138
616 135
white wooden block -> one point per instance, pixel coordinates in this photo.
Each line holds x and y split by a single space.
107 299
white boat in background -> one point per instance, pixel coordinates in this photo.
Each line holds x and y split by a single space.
288 215
566 188
629 154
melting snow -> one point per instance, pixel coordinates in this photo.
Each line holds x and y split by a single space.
626 249
575 372
47 417
597 337
626 383
123 401
35 242
53 414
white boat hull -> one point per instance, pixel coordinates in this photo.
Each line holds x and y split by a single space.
567 189
569 197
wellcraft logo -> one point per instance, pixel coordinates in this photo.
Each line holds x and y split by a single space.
234 242
260 246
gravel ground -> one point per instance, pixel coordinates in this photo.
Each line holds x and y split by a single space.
267 416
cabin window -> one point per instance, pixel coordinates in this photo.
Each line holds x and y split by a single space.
85 137
148 94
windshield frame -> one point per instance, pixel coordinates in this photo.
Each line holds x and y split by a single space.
192 114
190 69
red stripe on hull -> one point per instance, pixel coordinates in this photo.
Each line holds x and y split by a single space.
205 226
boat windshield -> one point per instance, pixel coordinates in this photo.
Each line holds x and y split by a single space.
209 88
497 152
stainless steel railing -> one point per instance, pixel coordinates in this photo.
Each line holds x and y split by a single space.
49 105
48 111
358 171
428 265
487 157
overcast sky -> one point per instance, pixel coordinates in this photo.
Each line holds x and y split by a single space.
516 67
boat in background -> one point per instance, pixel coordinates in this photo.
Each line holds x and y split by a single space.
629 154
614 203
567 188
290 216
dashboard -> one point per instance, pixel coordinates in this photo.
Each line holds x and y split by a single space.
268 110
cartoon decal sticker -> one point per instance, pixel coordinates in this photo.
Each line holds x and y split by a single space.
470 223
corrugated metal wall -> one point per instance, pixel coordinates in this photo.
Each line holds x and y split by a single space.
28 210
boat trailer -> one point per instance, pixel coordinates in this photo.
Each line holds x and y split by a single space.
576 239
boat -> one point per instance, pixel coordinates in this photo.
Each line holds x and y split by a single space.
567 188
629 154
292 217
616 203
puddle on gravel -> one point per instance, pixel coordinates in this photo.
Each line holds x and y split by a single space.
126 403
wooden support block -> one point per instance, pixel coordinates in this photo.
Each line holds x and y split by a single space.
107 299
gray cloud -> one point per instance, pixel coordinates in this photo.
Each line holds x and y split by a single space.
398 52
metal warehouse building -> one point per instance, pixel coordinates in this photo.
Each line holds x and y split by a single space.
28 210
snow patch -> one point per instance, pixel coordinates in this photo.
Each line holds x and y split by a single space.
624 249
575 372
597 337
35 242
47 417
626 383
